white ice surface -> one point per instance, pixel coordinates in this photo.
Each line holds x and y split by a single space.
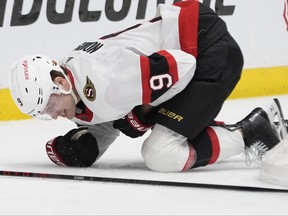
23 149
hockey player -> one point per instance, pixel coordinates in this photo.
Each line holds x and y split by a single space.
171 74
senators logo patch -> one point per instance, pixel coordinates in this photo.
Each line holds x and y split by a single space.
89 90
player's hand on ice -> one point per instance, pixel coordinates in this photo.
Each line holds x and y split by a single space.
77 148
134 124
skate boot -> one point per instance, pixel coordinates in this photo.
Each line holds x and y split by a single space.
260 133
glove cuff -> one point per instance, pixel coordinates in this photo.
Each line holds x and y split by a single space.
136 123
52 153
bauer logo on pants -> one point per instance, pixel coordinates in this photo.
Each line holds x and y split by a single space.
170 114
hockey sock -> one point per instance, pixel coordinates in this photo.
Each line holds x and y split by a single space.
216 143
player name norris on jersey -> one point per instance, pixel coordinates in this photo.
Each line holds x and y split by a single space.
89 47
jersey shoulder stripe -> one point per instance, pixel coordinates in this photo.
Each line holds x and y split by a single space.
159 73
188 26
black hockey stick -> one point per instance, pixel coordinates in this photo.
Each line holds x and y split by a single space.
140 181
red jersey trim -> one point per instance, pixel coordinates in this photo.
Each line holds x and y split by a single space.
145 75
69 74
173 69
188 26
88 114
148 72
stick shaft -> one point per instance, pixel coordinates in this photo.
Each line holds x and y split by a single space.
139 181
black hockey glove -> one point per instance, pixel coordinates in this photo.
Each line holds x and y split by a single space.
134 124
77 148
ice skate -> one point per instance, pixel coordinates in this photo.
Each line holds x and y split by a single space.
260 132
276 118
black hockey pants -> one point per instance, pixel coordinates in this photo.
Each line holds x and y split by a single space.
218 71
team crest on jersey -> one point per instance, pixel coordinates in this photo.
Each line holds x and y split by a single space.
89 90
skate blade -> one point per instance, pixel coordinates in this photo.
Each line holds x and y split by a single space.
275 114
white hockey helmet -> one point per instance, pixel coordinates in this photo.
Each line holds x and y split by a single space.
31 84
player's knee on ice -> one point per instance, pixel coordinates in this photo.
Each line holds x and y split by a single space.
167 151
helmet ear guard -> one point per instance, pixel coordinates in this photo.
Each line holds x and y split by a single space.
70 91
31 84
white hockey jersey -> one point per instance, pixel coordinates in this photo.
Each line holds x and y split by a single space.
144 64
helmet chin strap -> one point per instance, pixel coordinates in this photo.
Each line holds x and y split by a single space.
70 91
74 97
